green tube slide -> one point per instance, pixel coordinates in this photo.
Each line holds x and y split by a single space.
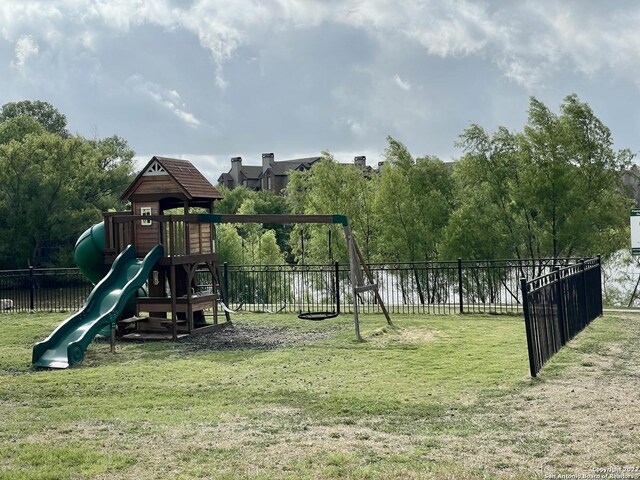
68 342
89 253
114 293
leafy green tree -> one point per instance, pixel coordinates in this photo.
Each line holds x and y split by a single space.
413 204
43 112
574 181
115 164
266 202
269 250
553 190
331 188
487 222
233 199
228 244
53 186
263 202
19 127
38 177
250 232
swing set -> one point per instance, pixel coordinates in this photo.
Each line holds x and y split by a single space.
315 315
361 277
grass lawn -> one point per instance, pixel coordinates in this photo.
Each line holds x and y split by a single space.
277 397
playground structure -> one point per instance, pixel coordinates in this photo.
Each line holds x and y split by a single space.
175 243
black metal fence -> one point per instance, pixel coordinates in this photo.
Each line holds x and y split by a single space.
441 287
43 289
557 306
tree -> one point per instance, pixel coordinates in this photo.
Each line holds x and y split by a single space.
53 186
114 159
331 188
233 199
43 112
250 233
228 244
18 128
487 222
269 251
574 180
38 179
413 203
553 190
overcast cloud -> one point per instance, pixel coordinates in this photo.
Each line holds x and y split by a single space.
211 79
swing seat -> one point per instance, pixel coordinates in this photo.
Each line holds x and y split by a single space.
317 316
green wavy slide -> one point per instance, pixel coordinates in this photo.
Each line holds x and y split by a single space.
67 344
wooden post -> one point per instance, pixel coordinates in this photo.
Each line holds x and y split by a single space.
354 280
371 282
174 324
112 337
190 270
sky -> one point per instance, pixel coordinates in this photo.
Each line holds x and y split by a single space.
208 80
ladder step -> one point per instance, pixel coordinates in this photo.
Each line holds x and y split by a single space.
366 288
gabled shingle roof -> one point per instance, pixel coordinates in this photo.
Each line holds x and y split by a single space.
185 174
285 166
252 172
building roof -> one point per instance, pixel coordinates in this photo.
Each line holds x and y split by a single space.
252 172
283 167
183 172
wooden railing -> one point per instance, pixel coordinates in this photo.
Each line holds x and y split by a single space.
181 235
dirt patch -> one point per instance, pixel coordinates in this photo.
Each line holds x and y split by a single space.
262 337
401 336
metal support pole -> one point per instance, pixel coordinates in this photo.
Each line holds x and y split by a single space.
460 299
337 285
225 280
600 283
32 290
564 331
583 278
528 326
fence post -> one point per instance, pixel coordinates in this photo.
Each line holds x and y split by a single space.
583 279
225 281
600 283
32 290
336 284
528 327
560 307
460 299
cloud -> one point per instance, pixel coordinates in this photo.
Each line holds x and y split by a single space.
406 86
327 73
26 47
168 99
356 128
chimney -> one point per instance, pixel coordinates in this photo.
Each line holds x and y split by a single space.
236 166
380 164
360 162
267 161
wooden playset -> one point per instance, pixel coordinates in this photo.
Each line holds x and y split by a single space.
172 205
